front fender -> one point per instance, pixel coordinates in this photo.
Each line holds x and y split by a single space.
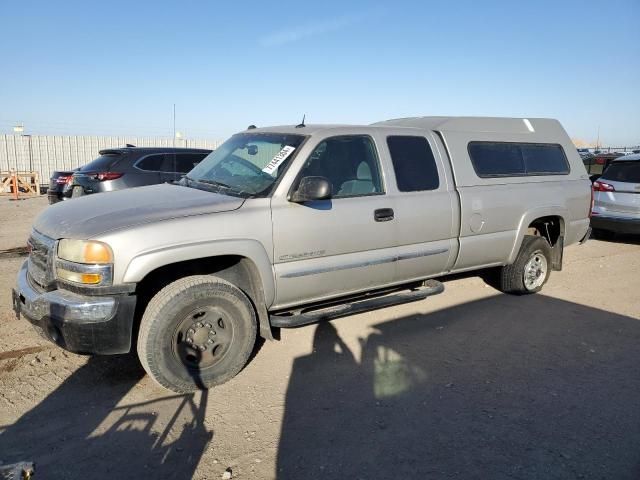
147 261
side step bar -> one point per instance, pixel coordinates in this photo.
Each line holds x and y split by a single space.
298 318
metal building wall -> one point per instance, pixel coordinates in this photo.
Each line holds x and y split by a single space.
46 153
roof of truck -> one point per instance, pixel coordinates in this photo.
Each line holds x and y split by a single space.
443 124
472 124
293 129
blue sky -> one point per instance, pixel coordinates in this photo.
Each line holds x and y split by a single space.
117 67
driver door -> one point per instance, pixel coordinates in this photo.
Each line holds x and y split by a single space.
343 245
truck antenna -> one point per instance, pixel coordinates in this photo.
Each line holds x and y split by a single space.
301 124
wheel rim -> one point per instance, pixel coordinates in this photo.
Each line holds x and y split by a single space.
202 338
535 271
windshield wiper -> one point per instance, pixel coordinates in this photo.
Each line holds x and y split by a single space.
212 182
221 185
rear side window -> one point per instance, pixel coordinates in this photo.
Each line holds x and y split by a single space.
152 163
413 163
101 164
186 161
510 159
623 172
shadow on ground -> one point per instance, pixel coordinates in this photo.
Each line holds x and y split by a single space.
80 430
501 388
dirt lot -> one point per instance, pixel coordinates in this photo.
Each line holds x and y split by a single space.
468 384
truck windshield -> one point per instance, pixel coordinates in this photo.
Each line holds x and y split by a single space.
248 164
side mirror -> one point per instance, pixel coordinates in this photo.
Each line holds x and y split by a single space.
312 188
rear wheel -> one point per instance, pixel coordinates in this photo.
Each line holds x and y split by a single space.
531 269
197 332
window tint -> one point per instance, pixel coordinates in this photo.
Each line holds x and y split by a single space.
102 163
186 161
349 163
505 159
496 159
152 163
628 171
413 163
544 159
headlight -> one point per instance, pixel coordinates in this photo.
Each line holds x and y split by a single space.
84 251
84 262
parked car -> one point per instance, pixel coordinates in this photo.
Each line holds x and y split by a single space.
596 164
286 226
616 207
119 168
584 152
59 179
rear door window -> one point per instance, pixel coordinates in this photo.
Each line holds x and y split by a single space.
186 161
413 163
623 172
152 163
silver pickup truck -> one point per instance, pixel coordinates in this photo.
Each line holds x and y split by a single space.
286 226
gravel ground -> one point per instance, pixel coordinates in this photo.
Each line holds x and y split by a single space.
471 384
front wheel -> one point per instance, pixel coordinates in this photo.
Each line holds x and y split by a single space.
196 332
531 269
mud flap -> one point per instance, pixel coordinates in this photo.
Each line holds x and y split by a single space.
557 252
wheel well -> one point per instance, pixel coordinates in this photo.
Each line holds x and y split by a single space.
551 228
235 269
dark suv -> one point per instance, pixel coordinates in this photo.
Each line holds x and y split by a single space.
118 168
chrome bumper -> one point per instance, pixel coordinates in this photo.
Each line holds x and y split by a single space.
79 323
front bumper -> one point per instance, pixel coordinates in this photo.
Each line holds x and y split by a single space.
78 323
616 224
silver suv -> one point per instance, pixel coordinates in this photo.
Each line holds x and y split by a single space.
616 207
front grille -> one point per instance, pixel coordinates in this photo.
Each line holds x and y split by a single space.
40 263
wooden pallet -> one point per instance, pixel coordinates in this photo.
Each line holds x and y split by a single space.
19 183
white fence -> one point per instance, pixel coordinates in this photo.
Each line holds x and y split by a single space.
46 153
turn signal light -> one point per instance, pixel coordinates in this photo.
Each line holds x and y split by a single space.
77 277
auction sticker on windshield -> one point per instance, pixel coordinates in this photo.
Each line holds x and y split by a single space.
280 157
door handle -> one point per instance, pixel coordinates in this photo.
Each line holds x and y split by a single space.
383 214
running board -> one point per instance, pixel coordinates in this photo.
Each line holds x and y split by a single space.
301 317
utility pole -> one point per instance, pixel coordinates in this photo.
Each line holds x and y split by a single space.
174 125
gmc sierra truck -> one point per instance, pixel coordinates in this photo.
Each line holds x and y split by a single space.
286 226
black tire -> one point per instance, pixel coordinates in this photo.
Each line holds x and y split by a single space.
512 277
191 314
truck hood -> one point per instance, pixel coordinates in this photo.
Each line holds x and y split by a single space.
89 216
